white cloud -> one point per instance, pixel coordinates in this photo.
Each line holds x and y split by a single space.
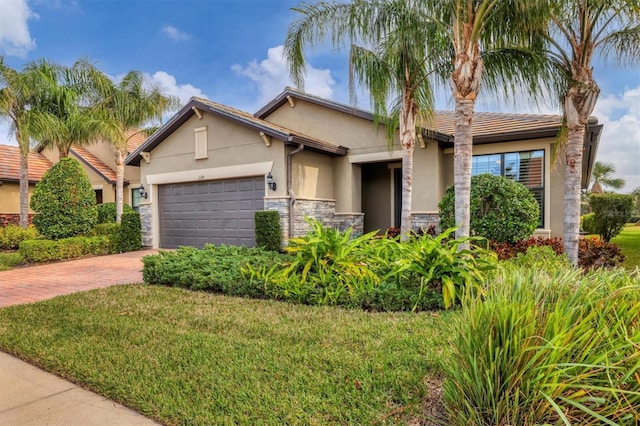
169 86
620 140
271 75
15 39
175 34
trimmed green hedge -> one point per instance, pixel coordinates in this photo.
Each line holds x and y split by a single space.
67 248
129 235
107 212
12 235
268 232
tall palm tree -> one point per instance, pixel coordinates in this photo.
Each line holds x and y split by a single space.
488 42
579 30
601 177
15 98
63 97
388 55
125 109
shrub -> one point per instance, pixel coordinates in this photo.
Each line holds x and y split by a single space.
213 268
540 349
107 212
611 212
12 235
268 232
64 201
588 223
541 258
66 248
509 250
129 237
501 209
595 253
109 229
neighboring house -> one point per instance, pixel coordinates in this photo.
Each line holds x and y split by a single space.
206 170
10 181
98 160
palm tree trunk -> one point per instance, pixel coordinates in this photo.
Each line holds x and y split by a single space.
407 129
462 156
120 156
24 188
572 180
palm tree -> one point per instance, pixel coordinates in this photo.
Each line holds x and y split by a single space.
63 97
388 55
124 109
490 42
578 30
601 177
15 97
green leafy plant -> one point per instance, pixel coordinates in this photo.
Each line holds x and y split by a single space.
107 212
129 237
610 213
547 349
541 258
502 209
12 235
64 201
588 223
66 248
268 232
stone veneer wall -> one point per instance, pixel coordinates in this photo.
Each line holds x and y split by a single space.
322 210
424 221
12 219
145 221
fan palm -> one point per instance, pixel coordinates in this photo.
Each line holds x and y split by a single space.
388 56
578 31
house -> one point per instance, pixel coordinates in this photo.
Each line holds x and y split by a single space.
97 160
10 181
205 171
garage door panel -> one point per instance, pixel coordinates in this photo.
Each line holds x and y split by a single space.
214 212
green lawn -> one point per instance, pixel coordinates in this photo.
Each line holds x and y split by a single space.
629 242
9 259
195 358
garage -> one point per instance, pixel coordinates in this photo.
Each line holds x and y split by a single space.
215 212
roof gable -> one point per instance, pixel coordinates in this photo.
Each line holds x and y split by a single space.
198 105
10 164
94 163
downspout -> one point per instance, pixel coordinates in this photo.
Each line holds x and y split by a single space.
292 195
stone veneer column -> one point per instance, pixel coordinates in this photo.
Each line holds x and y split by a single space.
281 205
343 221
424 221
145 220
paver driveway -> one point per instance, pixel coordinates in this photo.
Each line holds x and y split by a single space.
34 283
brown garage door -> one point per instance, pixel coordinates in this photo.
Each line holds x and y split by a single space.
216 212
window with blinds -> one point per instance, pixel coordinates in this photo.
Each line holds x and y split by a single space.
525 167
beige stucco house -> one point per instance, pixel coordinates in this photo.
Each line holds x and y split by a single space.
206 170
97 160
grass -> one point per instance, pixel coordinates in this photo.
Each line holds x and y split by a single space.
10 259
629 241
185 357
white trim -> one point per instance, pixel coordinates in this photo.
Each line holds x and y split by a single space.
375 156
241 170
98 186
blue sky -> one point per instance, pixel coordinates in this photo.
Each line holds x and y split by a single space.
230 51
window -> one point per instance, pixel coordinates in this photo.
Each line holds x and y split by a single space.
135 199
525 167
98 196
201 142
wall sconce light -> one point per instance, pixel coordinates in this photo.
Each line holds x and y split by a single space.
142 192
270 182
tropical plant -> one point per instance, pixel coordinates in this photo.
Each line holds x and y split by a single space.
64 98
388 56
502 210
610 213
488 42
544 347
577 32
601 177
15 98
64 201
125 108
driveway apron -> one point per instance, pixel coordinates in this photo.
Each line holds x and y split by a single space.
40 282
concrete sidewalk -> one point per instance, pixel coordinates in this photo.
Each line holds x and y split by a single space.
30 396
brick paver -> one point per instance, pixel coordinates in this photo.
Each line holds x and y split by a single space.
40 282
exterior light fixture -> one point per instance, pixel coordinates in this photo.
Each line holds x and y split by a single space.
142 192
270 182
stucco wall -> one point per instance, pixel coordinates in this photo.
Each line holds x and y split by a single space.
10 197
312 175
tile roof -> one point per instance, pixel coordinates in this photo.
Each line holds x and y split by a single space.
94 163
135 141
10 164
